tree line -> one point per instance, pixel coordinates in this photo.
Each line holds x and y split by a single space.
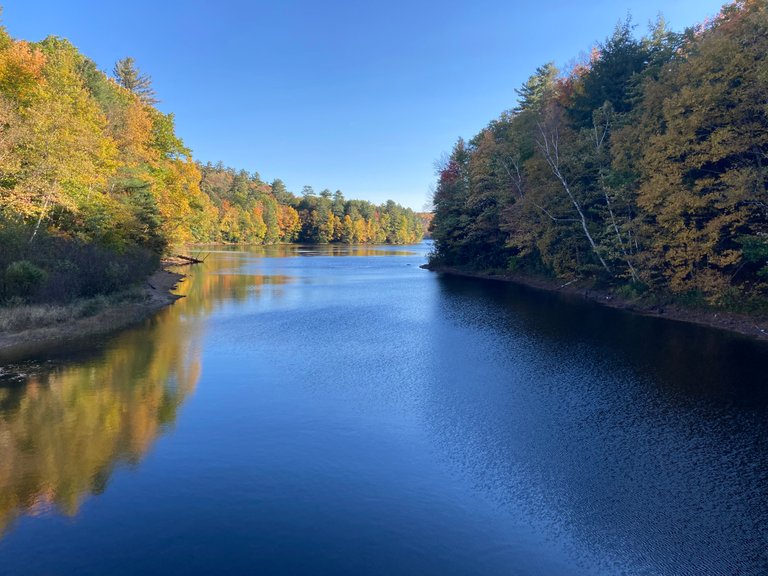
256 212
95 183
644 168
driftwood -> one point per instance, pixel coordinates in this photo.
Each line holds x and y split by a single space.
190 259
181 260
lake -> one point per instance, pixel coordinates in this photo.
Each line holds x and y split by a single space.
338 410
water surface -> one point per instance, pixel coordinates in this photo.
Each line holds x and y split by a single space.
337 410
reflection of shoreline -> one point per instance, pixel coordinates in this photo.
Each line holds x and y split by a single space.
64 431
352 250
291 250
755 327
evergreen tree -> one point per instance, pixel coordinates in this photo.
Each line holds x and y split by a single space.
538 88
128 76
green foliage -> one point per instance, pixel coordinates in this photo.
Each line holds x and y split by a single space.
23 279
755 253
632 290
609 76
58 269
538 89
164 136
128 76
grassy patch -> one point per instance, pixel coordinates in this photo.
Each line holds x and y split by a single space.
17 316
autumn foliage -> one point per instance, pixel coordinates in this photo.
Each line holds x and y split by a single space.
643 168
87 163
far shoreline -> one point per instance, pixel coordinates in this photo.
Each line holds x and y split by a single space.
743 324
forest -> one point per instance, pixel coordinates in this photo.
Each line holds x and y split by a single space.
252 211
95 183
643 168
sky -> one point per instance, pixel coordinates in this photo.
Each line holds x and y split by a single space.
361 96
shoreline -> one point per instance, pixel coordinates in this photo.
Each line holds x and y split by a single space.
155 294
753 327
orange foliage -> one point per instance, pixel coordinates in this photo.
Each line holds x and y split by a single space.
21 68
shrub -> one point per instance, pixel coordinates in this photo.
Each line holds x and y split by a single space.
93 306
631 290
23 279
60 269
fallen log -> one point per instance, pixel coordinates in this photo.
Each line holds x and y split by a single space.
189 259
182 260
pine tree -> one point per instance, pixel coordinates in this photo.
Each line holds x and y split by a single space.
538 88
128 76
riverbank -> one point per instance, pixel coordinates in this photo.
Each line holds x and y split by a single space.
755 327
30 328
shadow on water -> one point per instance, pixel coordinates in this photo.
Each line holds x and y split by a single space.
642 442
689 361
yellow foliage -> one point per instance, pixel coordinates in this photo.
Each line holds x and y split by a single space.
133 134
21 68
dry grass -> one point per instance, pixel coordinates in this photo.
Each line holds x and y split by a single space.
16 317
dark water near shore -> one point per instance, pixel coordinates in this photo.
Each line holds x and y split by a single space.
341 411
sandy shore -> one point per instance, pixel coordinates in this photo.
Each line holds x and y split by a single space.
755 327
157 290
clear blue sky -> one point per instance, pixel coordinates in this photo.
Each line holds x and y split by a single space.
361 96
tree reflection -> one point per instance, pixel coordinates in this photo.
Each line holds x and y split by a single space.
64 431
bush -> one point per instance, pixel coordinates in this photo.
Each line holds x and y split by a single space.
60 269
631 290
93 306
23 279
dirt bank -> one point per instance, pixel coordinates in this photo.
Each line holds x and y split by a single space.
756 327
151 297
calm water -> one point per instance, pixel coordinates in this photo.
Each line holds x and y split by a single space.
341 411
